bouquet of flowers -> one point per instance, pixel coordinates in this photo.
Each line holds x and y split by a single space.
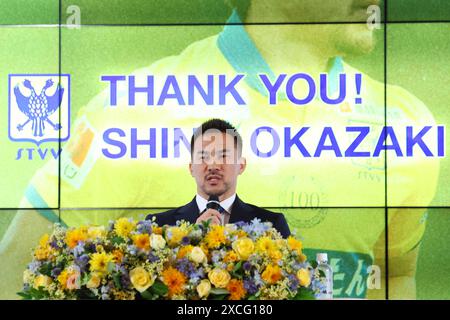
141 260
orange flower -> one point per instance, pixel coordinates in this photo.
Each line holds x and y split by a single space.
302 258
241 234
183 251
236 289
294 244
76 235
157 230
174 280
142 241
231 256
271 274
117 256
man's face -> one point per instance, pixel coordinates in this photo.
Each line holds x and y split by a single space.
216 164
346 39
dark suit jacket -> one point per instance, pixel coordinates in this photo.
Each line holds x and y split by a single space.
240 211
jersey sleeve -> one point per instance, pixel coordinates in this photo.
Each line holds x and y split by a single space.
406 228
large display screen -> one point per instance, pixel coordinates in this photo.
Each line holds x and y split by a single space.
341 105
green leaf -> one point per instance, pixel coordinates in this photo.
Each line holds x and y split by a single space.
24 295
111 266
147 295
253 297
46 269
116 279
219 297
84 279
86 295
313 264
206 224
219 291
237 266
304 294
117 240
38 293
159 288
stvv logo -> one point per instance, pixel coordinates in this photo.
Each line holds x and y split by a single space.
39 109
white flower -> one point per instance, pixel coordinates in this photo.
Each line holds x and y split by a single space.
197 255
157 242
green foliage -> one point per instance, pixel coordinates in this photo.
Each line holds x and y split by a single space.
117 240
304 294
32 293
159 288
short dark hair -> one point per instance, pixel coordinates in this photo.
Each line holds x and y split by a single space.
241 7
220 125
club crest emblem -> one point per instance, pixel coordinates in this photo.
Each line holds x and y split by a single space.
39 107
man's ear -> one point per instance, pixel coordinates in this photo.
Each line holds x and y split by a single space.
190 168
242 165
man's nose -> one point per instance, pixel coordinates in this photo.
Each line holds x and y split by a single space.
214 164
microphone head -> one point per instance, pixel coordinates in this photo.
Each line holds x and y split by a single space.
213 202
213 198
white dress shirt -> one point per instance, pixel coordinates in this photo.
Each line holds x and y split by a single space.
226 204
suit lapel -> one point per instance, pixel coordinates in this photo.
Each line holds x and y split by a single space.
189 212
241 211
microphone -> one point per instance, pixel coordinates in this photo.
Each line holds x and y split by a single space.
214 203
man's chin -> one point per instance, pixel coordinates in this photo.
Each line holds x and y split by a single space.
215 191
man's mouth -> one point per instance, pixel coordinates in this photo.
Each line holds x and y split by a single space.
213 178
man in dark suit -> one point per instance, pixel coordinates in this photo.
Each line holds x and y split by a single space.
216 163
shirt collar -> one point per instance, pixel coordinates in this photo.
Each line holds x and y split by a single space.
226 204
241 52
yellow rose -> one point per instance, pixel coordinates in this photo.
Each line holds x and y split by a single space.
272 274
244 247
141 279
275 255
219 277
204 288
174 235
42 281
157 242
197 255
303 277
96 232
94 281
